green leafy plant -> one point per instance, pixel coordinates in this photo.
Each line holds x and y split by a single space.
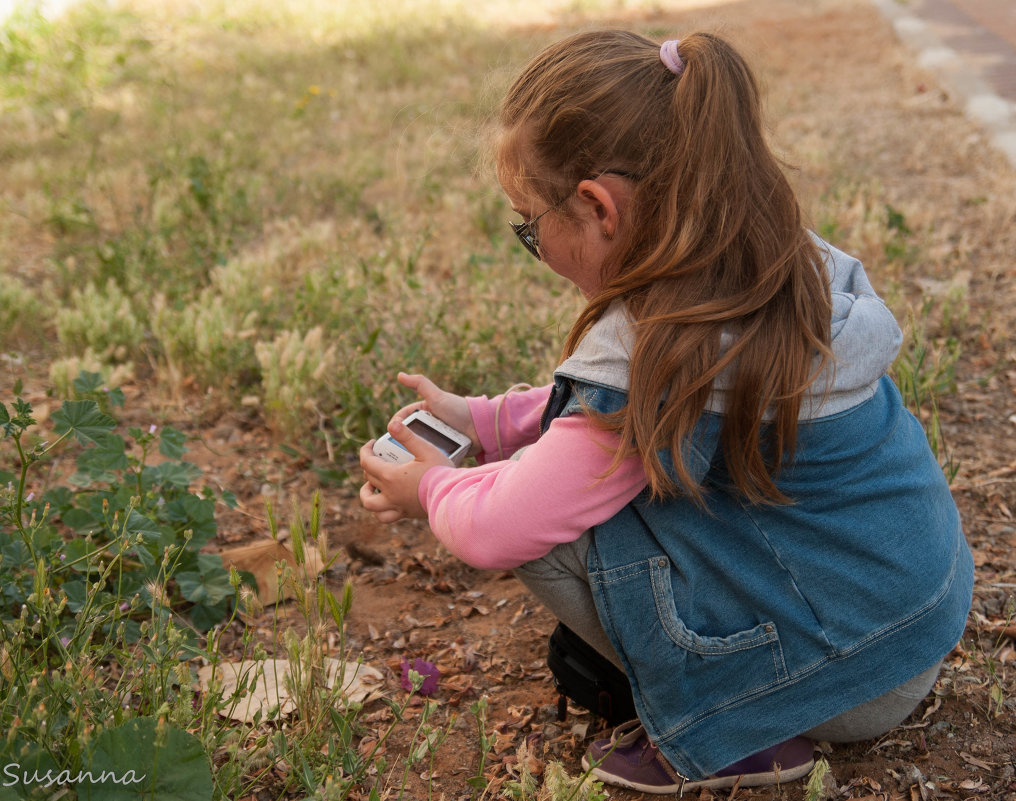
96 570
115 506
166 764
479 711
105 604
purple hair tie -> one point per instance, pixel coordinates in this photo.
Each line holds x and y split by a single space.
670 57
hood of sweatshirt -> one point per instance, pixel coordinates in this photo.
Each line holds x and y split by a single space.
865 341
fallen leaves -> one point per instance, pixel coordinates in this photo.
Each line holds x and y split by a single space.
262 560
251 689
967 786
974 762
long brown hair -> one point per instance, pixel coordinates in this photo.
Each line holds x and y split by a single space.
713 243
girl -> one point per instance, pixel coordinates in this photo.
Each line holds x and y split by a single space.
721 490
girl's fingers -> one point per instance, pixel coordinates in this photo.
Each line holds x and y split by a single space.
390 516
420 384
371 497
375 502
405 411
366 493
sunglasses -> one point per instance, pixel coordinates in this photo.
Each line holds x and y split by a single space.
527 234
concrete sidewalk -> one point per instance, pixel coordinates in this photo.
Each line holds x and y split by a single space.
970 45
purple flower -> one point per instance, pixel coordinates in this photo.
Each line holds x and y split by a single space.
428 670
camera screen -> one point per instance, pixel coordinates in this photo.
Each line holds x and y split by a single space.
436 438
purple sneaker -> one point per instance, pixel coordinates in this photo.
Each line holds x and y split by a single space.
629 759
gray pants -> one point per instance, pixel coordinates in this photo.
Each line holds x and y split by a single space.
561 582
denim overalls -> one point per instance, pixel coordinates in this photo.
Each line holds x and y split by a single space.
740 626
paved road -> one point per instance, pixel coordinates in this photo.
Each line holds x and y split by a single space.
971 47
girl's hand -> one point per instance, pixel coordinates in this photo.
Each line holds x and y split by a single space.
452 409
392 491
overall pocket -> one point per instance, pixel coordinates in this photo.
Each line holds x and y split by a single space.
683 675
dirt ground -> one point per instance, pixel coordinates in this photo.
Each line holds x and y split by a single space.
412 599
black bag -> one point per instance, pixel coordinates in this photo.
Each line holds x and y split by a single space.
587 677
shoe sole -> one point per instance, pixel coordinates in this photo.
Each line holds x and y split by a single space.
617 781
720 783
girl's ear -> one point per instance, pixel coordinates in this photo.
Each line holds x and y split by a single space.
600 198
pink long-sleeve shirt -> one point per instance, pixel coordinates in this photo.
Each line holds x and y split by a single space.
506 512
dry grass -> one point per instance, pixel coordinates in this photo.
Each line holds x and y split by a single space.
188 185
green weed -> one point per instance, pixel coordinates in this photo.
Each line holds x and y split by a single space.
108 607
924 373
19 308
984 655
554 785
102 319
853 216
899 245
92 570
817 785
212 210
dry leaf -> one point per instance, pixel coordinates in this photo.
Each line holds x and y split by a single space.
503 741
1003 630
977 763
523 611
270 690
532 764
260 559
931 710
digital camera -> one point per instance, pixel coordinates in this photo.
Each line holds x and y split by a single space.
453 444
